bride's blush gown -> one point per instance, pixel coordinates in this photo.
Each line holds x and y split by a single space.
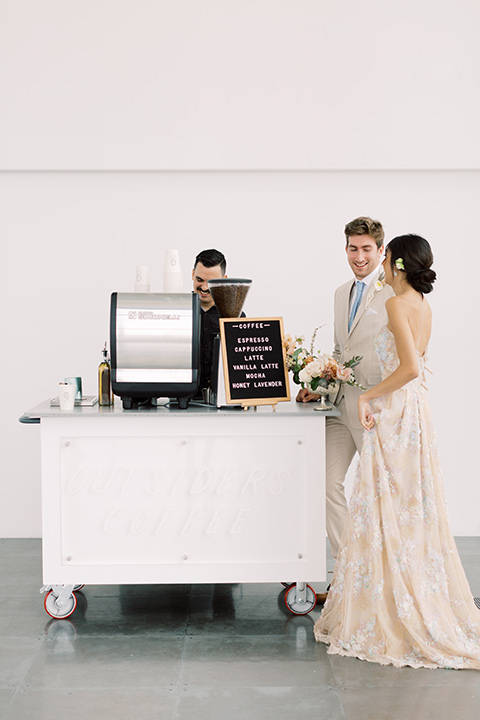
399 594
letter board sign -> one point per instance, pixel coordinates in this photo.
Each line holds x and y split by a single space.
254 361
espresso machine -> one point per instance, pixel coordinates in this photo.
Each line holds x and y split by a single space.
155 347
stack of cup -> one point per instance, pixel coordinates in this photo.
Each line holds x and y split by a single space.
172 272
142 279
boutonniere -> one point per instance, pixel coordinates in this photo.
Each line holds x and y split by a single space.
374 288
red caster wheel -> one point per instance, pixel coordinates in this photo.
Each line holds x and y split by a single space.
52 608
299 603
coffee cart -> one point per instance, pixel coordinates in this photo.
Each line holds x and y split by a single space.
168 495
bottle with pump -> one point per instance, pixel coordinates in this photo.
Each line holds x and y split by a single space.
105 396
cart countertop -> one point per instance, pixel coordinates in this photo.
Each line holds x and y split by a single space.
283 409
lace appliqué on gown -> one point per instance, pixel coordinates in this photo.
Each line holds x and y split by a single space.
399 594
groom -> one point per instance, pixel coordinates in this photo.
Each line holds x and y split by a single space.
359 315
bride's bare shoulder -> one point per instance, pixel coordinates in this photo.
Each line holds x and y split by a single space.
409 308
396 303
410 301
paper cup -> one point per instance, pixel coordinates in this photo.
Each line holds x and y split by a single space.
142 279
172 272
66 394
172 283
172 261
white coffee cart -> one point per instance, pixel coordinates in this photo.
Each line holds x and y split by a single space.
164 495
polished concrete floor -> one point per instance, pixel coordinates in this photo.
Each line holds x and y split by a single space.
198 651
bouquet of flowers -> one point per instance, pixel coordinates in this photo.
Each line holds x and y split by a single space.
317 372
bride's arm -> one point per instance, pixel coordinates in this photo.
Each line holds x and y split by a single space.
407 355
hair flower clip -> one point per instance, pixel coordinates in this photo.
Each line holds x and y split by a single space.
399 264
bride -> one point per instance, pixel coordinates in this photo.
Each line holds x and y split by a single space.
399 594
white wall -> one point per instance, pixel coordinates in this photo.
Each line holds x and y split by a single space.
161 84
71 237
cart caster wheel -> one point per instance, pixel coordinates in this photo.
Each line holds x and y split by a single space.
76 588
50 604
287 584
295 606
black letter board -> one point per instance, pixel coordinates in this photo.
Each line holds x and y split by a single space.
254 361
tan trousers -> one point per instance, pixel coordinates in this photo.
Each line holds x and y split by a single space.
342 442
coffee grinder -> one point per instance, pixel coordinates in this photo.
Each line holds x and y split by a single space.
229 296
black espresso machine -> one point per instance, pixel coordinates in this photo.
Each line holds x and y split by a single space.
155 347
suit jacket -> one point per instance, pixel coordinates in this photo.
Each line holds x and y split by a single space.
370 318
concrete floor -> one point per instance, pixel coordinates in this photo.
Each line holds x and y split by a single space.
198 651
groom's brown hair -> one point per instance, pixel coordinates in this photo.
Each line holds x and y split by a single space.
365 226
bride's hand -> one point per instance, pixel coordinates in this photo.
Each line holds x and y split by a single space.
365 413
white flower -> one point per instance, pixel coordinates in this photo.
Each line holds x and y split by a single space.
304 376
317 368
378 286
308 372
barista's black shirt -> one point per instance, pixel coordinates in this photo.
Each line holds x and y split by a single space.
210 327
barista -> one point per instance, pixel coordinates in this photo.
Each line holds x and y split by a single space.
209 265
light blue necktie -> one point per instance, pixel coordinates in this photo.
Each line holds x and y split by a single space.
360 287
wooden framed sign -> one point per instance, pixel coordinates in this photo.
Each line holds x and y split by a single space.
254 361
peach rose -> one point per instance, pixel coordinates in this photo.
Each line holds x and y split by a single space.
344 373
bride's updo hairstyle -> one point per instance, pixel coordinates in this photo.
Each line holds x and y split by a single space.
417 257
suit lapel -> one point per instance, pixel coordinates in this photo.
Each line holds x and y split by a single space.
346 310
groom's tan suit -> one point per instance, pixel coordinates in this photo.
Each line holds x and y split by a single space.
344 434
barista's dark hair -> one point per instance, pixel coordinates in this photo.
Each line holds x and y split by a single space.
365 226
211 258
417 257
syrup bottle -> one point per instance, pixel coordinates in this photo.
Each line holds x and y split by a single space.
105 396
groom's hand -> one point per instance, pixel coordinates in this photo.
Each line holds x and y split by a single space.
305 396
